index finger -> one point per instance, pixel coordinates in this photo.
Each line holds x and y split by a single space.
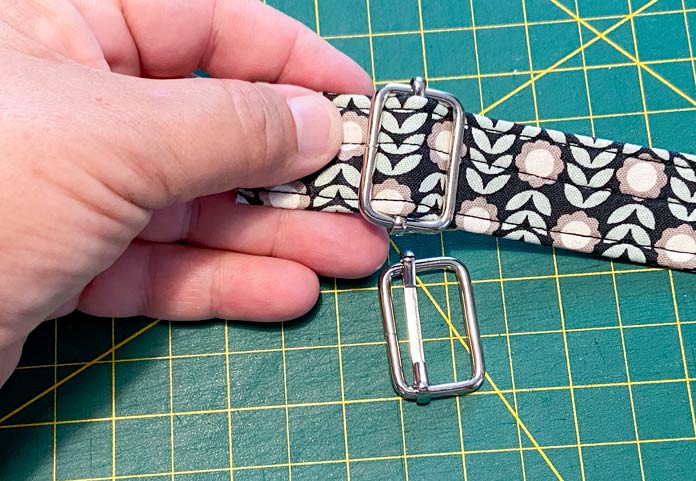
240 39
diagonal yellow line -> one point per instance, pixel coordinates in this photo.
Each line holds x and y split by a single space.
81 369
490 381
600 36
316 17
624 52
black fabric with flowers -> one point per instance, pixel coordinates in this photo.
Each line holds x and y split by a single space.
519 182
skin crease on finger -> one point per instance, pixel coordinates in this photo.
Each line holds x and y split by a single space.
112 197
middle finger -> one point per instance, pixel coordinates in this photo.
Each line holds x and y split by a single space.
337 245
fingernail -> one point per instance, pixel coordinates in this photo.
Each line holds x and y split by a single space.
315 120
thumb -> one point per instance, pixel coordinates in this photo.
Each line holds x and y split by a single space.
204 136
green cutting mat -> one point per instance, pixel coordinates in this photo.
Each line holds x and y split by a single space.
591 363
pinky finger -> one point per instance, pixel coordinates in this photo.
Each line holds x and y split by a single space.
178 282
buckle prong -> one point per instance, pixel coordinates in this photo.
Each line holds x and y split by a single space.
413 326
421 390
419 85
399 225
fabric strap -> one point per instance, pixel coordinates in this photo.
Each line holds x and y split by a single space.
519 182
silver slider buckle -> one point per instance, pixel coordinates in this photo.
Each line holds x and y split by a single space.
421 390
399 224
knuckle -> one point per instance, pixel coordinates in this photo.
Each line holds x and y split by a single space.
261 122
223 275
149 304
280 236
191 225
148 182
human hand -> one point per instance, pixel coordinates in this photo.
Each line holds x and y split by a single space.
115 183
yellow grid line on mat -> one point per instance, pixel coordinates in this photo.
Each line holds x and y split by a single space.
370 343
530 61
457 400
54 450
170 371
522 72
585 69
426 75
285 399
113 398
566 350
276 407
644 102
509 353
317 26
366 459
339 350
482 392
228 396
501 25
682 350
628 373
370 42
374 458
688 39
403 438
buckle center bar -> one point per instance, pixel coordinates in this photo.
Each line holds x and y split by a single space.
413 325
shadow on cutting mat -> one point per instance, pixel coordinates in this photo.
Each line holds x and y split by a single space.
26 437
83 405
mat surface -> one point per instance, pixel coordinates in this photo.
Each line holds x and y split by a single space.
591 363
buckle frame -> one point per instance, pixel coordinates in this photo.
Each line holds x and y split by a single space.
421 390
398 224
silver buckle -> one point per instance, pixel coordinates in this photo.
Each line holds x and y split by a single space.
398 224
422 390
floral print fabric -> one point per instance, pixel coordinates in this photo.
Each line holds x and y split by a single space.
541 186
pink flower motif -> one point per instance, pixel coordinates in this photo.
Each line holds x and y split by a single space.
677 247
392 198
354 136
576 232
539 163
641 178
288 196
477 216
440 143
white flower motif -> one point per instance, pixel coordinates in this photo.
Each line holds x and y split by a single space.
641 178
354 134
539 163
440 143
288 196
576 232
392 198
477 216
677 247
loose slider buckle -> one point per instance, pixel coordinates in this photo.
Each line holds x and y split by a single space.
421 390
